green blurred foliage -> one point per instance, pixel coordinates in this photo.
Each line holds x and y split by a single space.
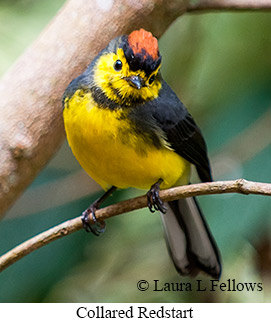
21 21
219 65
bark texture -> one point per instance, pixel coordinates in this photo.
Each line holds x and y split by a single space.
31 127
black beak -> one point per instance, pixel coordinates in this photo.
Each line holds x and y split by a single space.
135 81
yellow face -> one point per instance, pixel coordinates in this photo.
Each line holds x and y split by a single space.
113 75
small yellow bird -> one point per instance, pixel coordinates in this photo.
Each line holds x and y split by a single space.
127 128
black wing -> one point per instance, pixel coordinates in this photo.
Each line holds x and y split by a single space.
181 131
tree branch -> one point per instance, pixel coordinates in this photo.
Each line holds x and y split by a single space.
31 125
203 5
237 186
31 91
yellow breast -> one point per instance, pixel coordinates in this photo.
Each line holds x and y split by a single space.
112 154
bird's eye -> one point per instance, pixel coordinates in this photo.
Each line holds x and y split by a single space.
118 65
152 78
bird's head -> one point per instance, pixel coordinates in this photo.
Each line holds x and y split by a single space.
127 70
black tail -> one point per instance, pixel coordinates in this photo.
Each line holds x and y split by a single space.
190 242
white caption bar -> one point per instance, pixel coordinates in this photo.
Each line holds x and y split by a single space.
128 312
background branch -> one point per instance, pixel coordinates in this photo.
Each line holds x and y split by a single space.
237 186
31 126
202 5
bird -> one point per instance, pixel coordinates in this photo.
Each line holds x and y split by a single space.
127 128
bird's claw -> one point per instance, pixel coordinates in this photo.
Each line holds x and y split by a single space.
97 227
154 201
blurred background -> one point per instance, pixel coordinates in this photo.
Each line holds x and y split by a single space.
219 64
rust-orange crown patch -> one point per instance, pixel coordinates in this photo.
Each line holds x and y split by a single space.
143 42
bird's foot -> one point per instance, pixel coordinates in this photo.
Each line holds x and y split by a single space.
95 226
154 201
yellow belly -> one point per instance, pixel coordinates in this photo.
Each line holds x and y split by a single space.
113 155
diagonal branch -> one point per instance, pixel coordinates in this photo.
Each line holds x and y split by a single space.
206 5
30 92
236 186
